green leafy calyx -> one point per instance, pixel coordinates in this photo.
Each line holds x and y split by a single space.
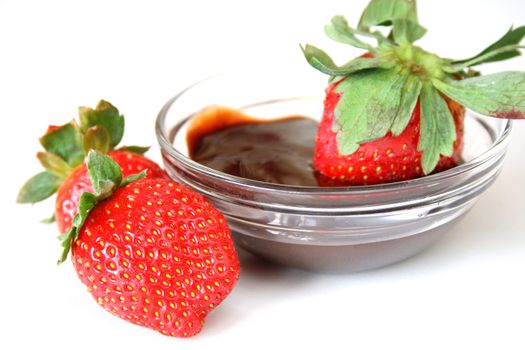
106 116
106 178
39 187
380 90
413 59
66 147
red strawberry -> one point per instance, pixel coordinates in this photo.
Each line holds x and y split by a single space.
151 252
396 113
78 182
389 159
65 148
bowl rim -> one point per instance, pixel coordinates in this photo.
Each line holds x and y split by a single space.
166 145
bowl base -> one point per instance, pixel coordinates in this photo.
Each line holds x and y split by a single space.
341 258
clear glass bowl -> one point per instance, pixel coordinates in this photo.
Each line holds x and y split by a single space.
341 229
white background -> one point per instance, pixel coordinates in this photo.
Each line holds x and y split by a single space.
467 291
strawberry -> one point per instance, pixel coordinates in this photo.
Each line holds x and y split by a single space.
65 148
388 159
78 182
396 113
150 251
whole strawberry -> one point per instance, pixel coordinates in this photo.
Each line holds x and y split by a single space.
396 113
150 251
65 148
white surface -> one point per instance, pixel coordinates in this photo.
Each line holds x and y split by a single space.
467 291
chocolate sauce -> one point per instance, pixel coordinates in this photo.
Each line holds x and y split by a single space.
278 151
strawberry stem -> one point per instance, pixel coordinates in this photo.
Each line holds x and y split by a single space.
425 65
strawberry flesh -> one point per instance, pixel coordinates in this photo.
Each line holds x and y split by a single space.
78 182
388 159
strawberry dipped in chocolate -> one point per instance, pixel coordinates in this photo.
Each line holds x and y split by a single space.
396 113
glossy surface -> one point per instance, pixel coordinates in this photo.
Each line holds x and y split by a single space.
278 151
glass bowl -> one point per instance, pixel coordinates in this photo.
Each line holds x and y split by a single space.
340 229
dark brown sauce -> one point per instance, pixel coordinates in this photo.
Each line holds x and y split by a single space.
277 151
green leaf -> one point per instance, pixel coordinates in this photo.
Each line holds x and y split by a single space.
409 96
500 95
132 178
509 40
97 138
322 62
39 187
49 220
106 115
487 57
372 102
87 202
65 142
383 12
134 149
54 164
104 172
438 133
339 30
405 30
390 12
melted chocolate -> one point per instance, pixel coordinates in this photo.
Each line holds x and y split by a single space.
278 151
